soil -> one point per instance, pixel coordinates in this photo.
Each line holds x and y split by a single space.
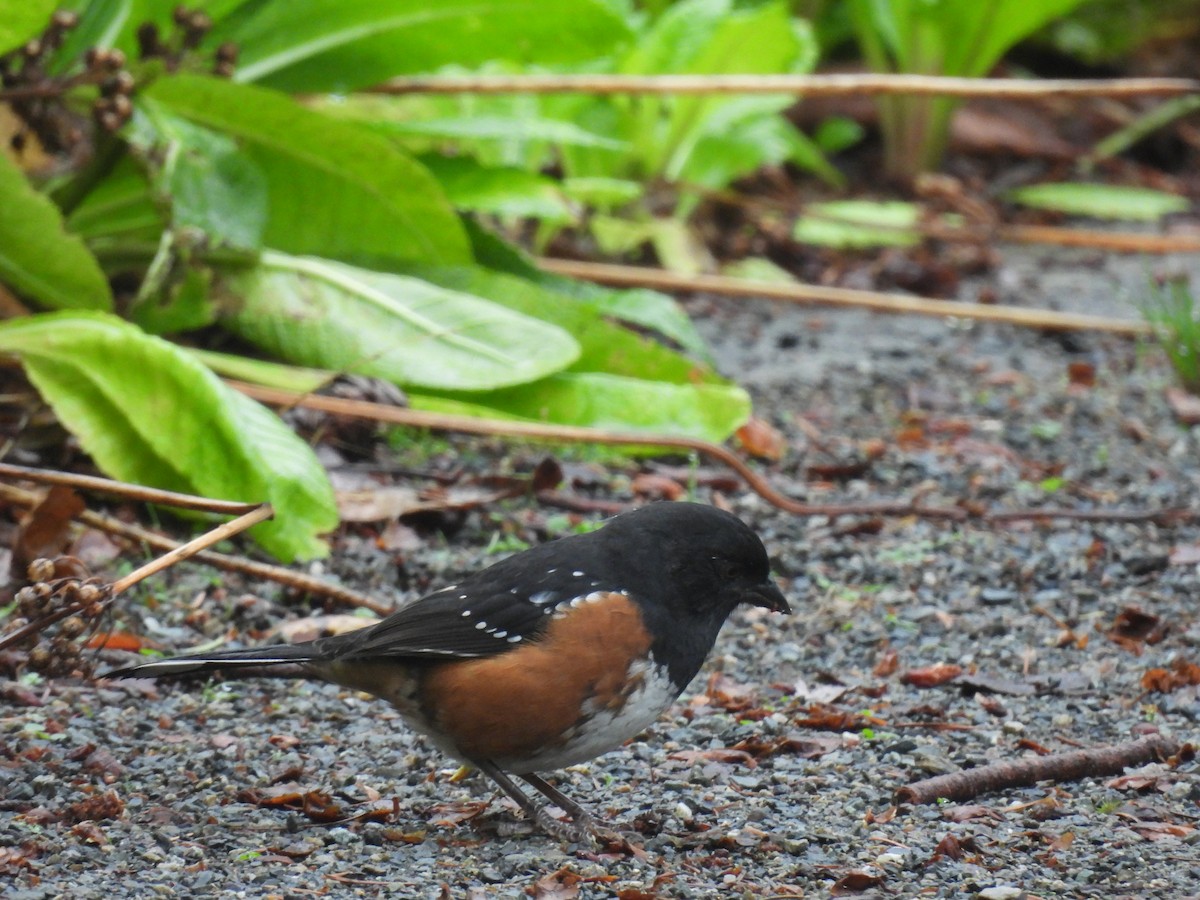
774 776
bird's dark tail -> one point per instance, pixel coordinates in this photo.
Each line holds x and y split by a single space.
281 660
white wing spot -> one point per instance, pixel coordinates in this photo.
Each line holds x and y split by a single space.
466 612
541 598
499 634
480 625
446 589
462 596
551 571
514 638
577 574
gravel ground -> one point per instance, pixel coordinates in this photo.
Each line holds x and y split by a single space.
874 408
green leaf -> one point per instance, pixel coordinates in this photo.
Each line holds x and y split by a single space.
340 45
207 182
645 308
603 193
120 206
335 189
392 116
258 371
1101 201
21 20
148 412
321 313
605 347
100 25
859 223
504 192
709 412
39 259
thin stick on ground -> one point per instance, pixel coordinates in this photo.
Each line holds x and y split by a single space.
289 578
640 276
759 484
135 492
194 546
856 85
577 434
1071 766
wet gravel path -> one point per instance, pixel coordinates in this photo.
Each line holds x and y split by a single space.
874 408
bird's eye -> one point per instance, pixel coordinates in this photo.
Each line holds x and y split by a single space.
727 569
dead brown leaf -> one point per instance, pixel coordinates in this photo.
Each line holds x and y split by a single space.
725 693
90 832
887 664
46 529
855 883
560 885
1181 674
1132 628
650 484
725 755
948 848
1162 831
760 438
1184 405
448 815
932 676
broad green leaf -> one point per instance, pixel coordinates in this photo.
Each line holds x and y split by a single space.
392 117
709 412
205 180
21 20
504 192
119 206
148 412
604 346
645 308
340 45
320 313
1101 201
39 259
336 189
639 306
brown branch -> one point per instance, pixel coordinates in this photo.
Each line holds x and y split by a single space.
809 85
135 492
1115 241
1070 766
252 568
1169 516
640 276
576 434
194 546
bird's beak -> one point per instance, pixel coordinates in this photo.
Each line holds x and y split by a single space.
768 596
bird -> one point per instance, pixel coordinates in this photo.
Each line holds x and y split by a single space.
548 658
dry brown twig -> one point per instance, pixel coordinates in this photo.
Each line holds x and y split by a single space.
856 85
575 434
640 276
176 551
1070 766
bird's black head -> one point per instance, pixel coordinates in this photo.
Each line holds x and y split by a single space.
695 564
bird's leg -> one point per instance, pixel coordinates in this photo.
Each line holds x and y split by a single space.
562 830
582 817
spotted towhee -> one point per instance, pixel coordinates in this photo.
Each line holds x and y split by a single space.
548 658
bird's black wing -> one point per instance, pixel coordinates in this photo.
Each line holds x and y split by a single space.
490 612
